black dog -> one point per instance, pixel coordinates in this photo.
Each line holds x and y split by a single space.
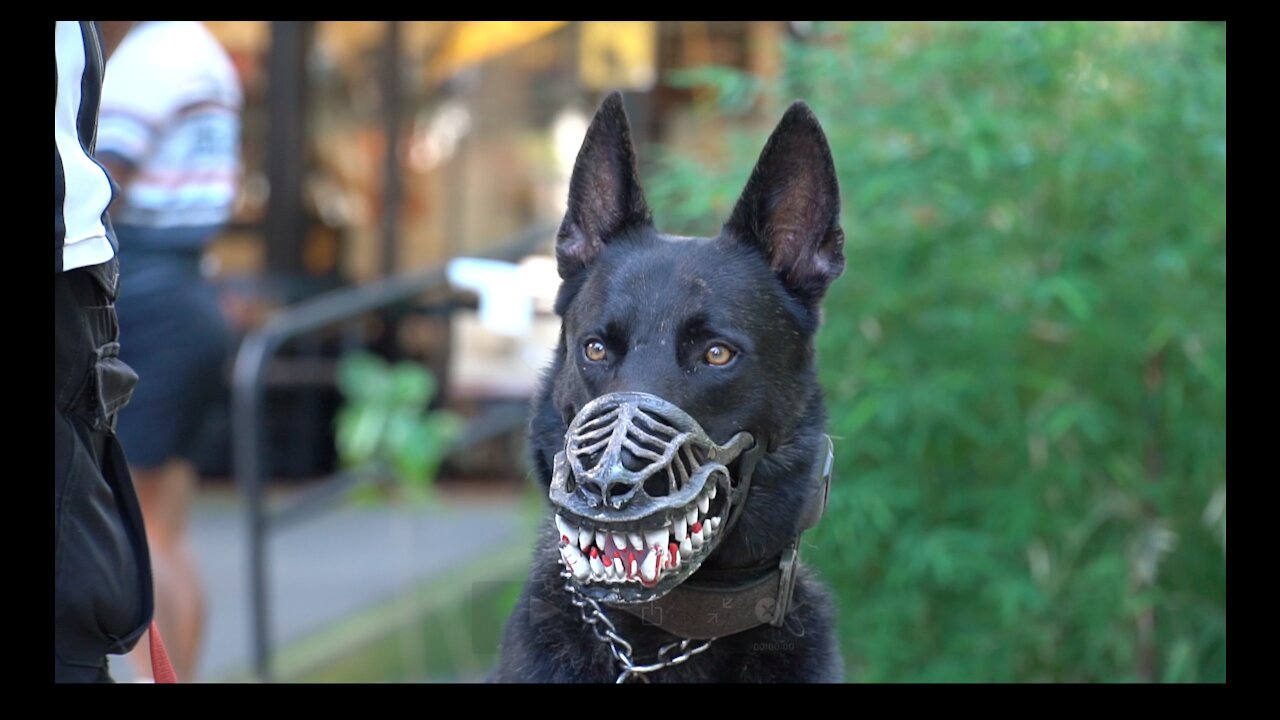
680 430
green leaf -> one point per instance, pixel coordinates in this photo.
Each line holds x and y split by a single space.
362 376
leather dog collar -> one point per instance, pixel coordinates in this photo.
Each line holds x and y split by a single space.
719 602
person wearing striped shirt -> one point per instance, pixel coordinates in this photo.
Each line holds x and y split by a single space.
102 575
170 135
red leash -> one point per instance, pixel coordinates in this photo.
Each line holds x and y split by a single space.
161 668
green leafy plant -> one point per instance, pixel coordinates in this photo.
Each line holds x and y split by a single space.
1025 360
384 429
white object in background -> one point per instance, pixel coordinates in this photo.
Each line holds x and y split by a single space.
506 308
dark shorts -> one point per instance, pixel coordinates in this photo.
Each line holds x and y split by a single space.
173 333
101 570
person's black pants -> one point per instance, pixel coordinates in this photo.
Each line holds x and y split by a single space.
101 570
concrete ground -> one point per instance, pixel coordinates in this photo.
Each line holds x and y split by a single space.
338 564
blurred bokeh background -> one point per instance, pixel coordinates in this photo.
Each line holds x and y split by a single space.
1025 360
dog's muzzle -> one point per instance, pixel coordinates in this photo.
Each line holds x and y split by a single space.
643 495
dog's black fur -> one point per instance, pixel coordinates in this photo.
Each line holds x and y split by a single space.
658 302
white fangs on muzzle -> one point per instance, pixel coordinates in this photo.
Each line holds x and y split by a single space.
575 561
597 555
640 491
649 568
566 532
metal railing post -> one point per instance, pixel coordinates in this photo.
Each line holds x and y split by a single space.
247 389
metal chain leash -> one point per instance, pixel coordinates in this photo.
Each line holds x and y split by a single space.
621 650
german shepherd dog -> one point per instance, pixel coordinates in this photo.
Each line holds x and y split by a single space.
679 431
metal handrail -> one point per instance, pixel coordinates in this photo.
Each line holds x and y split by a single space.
247 383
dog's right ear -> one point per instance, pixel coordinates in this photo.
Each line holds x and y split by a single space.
604 192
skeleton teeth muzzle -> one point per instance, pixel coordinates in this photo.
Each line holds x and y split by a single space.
643 495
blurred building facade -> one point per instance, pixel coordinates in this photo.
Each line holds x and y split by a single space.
480 109
374 148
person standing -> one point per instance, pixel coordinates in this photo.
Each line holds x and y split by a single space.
170 135
101 572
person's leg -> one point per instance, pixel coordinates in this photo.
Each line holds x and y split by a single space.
175 337
80 495
67 673
166 495
102 578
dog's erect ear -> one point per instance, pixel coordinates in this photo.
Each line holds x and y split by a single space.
790 208
604 193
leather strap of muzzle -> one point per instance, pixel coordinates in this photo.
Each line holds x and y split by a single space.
746 470
716 603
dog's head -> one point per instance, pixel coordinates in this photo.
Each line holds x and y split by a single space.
683 360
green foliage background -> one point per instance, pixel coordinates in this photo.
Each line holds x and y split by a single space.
1025 360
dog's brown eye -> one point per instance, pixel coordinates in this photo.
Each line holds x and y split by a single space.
718 355
594 350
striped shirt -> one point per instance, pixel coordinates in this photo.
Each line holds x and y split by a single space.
171 109
82 191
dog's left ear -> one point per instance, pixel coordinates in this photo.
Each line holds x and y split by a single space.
790 209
